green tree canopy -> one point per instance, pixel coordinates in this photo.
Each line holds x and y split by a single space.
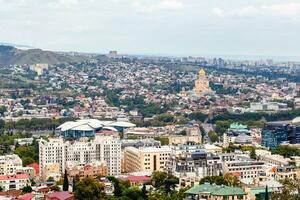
27 189
89 189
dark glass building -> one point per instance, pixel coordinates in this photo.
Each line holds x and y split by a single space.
281 132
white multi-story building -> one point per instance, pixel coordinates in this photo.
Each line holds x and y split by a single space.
103 148
9 163
245 168
190 163
52 151
108 149
273 159
14 182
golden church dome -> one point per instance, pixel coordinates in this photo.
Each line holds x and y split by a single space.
202 73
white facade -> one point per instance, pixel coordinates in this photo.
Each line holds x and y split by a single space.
54 151
9 163
103 148
14 182
246 169
273 159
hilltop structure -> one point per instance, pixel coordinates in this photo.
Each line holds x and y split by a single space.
201 84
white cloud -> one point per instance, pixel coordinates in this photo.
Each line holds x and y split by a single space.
218 12
284 10
154 5
290 9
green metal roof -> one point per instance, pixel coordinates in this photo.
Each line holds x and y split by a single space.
216 190
238 126
256 191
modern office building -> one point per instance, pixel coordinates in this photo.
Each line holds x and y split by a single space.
89 127
281 132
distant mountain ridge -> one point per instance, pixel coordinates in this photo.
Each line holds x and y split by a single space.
18 46
10 55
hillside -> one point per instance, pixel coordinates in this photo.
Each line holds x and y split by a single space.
10 56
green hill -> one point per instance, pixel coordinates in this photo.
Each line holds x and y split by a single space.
12 56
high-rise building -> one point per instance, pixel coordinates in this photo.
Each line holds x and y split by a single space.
113 54
106 149
281 132
51 152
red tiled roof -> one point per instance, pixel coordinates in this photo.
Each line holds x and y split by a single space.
27 196
11 193
14 177
237 174
36 168
60 195
105 132
136 179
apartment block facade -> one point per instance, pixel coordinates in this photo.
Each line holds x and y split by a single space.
105 149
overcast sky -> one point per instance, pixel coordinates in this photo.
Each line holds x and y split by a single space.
174 27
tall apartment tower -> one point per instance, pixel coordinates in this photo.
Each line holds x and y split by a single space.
51 152
103 148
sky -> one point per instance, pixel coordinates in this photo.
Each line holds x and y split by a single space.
165 27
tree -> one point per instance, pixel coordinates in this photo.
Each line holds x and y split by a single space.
2 110
164 182
74 184
133 193
266 193
286 151
117 187
1 188
66 182
55 188
26 161
253 154
197 116
50 179
213 136
27 189
144 192
158 178
290 190
89 189
228 180
28 153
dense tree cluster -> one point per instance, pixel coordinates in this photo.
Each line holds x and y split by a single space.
34 124
213 136
231 148
286 151
28 153
290 190
245 117
227 179
162 188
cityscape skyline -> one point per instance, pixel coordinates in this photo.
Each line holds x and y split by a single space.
168 27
